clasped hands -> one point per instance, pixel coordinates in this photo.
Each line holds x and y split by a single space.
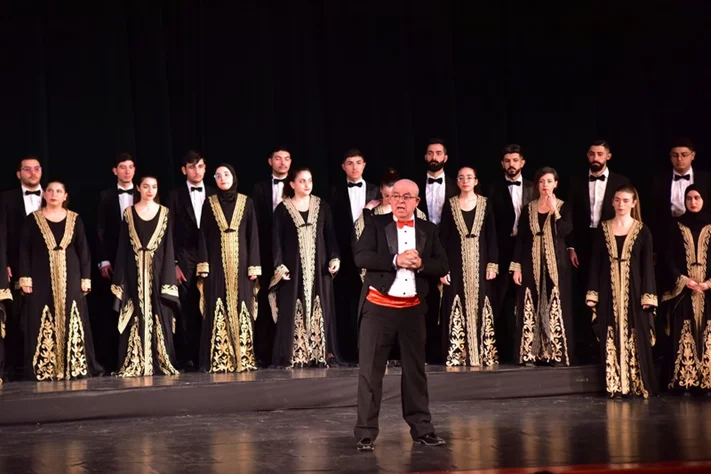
695 286
409 259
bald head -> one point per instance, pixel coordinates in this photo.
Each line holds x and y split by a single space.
406 186
404 199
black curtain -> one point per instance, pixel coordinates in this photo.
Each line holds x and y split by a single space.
80 83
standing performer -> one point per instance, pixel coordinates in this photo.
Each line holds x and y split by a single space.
400 254
267 195
5 298
229 267
306 260
348 199
689 307
621 289
541 269
468 234
55 276
16 206
185 205
508 197
113 203
144 287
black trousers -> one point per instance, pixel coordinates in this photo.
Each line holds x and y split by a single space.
14 336
379 327
2 343
264 326
189 320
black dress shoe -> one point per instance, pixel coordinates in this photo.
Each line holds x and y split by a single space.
431 439
365 444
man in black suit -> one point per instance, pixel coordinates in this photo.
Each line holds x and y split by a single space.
112 204
437 189
400 253
185 204
267 195
509 198
17 204
348 198
590 198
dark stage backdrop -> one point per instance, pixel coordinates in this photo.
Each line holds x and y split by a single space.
81 83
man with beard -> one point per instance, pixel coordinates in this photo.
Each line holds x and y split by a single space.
16 206
267 195
508 197
590 198
438 189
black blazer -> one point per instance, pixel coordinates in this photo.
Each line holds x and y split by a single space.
185 225
343 218
12 218
450 190
108 224
579 202
262 197
378 245
505 216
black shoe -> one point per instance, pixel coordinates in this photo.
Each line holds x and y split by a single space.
431 439
365 444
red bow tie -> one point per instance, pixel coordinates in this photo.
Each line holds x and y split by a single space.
410 223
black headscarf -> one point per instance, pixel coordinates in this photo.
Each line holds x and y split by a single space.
228 195
696 220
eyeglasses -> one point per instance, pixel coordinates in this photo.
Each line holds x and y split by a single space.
405 197
463 179
686 154
29 169
224 174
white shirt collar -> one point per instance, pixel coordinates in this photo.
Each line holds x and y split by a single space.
411 218
361 180
118 186
25 188
690 172
517 180
436 177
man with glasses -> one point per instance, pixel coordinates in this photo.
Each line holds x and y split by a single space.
401 253
16 206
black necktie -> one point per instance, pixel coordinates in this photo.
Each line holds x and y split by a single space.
277 181
513 183
198 189
677 177
597 178
125 191
434 180
360 184
36 193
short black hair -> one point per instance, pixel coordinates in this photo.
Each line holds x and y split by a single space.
279 148
350 153
544 171
192 157
437 141
121 157
682 142
601 143
25 158
512 148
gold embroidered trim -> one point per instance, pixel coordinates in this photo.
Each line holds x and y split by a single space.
5 294
492 267
705 364
246 340
86 281
635 370
163 358
592 296
222 356
279 273
649 299
457 352
254 271
527 330
44 362
2 330
125 315
514 267
170 290
76 351
489 354
687 365
698 255
612 364
201 291
203 267
133 364
25 281
359 226
679 286
117 291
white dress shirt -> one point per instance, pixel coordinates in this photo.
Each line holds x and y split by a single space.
435 194
32 202
197 198
356 196
404 284
678 188
596 192
516 193
277 192
125 199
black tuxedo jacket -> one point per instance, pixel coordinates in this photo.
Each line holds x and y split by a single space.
262 196
185 226
109 223
505 216
12 218
343 218
579 202
450 190
378 246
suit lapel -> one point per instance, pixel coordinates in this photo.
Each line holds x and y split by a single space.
612 185
391 237
420 238
346 201
528 193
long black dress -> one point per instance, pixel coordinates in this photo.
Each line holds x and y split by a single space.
54 261
467 318
544 315
5 296
144 287
303 306
228 251
621 281
688 256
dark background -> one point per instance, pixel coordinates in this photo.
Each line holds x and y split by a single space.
81 83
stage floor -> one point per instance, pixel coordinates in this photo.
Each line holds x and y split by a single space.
579 433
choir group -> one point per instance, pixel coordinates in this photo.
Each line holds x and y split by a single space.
223 282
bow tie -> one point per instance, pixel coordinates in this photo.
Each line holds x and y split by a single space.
198 189
513 183
125 191
597 178
359 184
279 181
410 223
36 193
677 177
434 180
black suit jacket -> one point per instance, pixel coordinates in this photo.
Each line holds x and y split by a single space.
579 202
262 197
343 219
378 245
185 227
505 216
450 190
108 225
12 218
